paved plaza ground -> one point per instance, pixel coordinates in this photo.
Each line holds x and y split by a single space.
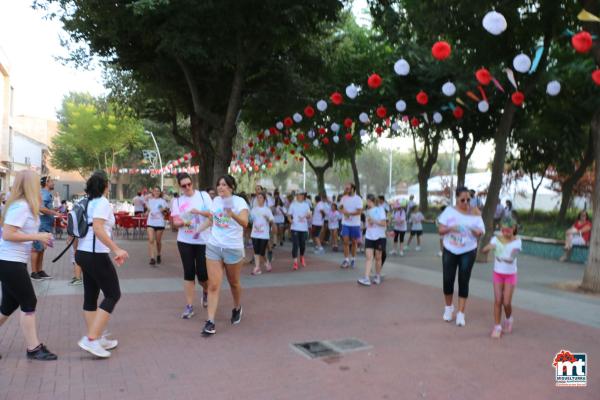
411 353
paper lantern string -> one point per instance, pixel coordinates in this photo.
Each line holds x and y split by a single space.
459 101
587 16
570 33
511 77
473 96
536 59
483 96
498 85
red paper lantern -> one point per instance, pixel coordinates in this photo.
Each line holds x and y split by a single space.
269 165
325 140
309 111
381 112
458 112
288 122
483 76
272 149
322 131
273 131
261 136
422 98
596 77
374 81
292 151
441 50
301 136
379 130
348 123
337 98
278 157
286 140
256 168
414 122
518 98
306 146
348 136
250 144
582 42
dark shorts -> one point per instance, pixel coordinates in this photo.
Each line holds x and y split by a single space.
316 230
157 228
378 245
416 233
399 235
259 246
353 232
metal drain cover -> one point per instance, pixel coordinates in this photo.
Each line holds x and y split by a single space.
316 349
348 344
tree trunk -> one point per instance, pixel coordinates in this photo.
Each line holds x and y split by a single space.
320 170
320 174
119 194
461 169
205 154
534 189
355 172
500 139
591 276
423 177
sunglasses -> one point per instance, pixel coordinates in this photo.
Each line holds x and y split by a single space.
464 200
186 185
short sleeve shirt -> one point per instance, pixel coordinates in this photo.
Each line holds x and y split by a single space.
351 204
299 213
226 232
182 207
98 208
261 219
156 207
374 230
504 252
399 220
463 240
317 219
19 215
47 221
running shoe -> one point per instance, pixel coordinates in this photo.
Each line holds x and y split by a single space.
209 328
43 275
508 325
448 311
365 281
36 277
377 280
352 263
152 261
439 254
256 271
345 264
268 266
236 316
460 319
205 299
496 332
93 347
418 248
401 254
188 312
41 353
76 282
295 267
393 253
158 260
302 261
108 344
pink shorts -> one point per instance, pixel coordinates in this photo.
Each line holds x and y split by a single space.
510 279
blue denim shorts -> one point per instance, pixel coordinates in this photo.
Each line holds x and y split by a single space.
353 232
38 246
228 256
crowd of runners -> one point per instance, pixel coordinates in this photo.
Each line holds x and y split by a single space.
214 228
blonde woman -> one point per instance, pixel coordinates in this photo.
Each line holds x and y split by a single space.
20 221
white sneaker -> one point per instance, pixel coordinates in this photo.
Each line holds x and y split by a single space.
108 344
393 253
418 248
448 311
401 254
439 254
364 281
377 280
460 319
93 347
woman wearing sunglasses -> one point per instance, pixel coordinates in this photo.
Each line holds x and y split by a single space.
460 228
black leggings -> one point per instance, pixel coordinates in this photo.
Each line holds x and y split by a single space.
17 289
298 243
464 264
260 246
399 234
193 258
99 273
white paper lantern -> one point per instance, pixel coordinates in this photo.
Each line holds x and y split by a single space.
321 105
263 167
553 88
293 139
311 134
494 23
401 67
336 139
351 91
364 118
483 106
395 127
316 143
297 118
267 133
279 145
335 127
401 105
279 125
448 89
522 63
363 132
299 149
437 118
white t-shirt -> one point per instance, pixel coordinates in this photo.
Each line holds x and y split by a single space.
269 202
138 204
464 240
226 232
98 208
19 215
416 220
299 212
317 218
279 215
400 220
504 252
375 231
261 222
182 206
351 204
155 211
334 219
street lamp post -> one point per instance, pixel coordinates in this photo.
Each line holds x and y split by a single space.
162 175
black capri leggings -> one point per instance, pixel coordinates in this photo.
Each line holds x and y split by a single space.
99 273
260 246
464 263
298 243
399 234
17 289
193 258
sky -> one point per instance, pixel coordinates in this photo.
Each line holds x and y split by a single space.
32 44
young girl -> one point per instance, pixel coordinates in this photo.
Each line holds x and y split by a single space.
334 225
506 248
416 227
262 217
399 230
279 219
376 223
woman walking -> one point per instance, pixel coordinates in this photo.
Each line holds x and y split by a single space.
399 217
334 219
461 227
299 215
157 208
99 273
225 249
20 225
190 212
279 219
375 241
262 218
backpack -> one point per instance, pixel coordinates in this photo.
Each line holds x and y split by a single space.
77 225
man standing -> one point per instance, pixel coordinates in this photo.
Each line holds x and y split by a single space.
47 214
351 208
139 204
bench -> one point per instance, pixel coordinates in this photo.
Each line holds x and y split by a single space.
552 249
